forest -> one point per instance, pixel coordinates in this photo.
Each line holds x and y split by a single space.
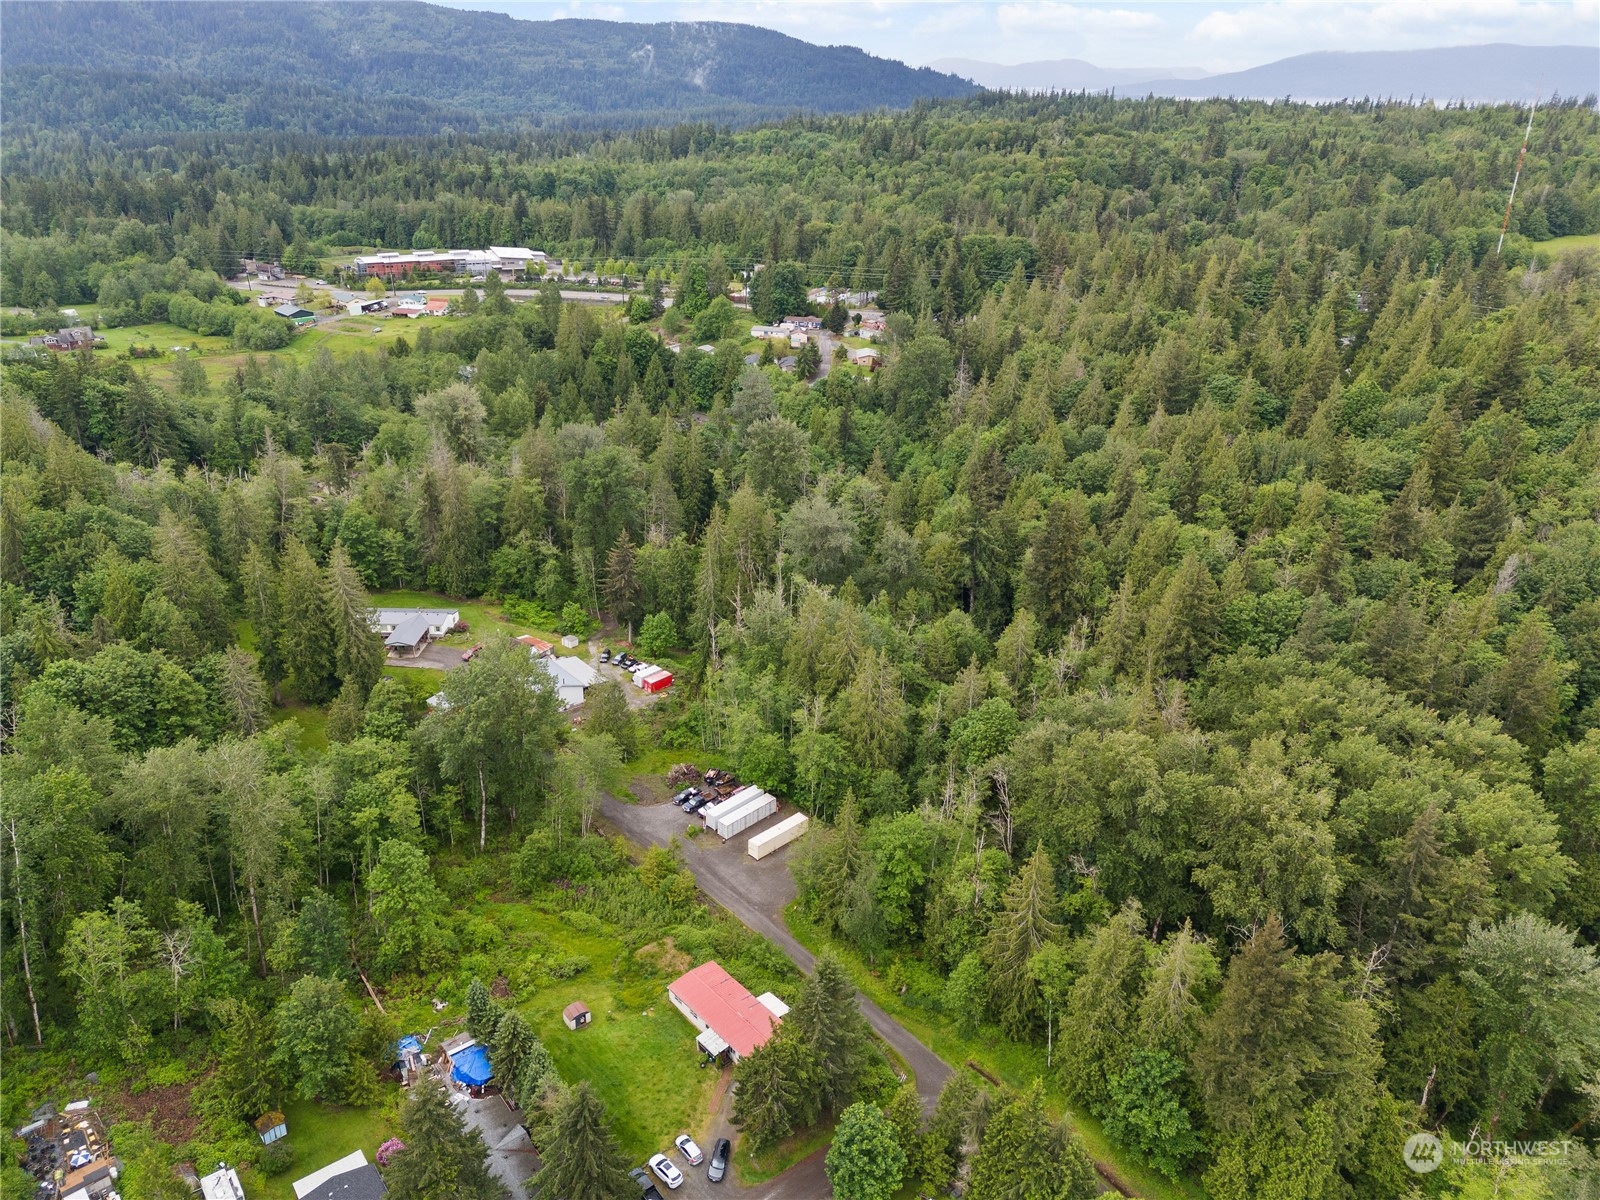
1187 644
405 69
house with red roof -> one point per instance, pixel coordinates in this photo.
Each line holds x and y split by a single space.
731 1021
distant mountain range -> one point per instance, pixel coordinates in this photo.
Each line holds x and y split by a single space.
1058 74
1473 73
405 67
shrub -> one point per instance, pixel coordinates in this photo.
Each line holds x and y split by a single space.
658 634
575 619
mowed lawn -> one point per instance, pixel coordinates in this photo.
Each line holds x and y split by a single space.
320 1134
644 1065
482 618
638 1052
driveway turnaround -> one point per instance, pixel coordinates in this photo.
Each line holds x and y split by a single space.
757 893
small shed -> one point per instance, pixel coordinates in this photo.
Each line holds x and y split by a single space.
576 1015
271 1126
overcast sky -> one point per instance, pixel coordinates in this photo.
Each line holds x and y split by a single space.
1116 33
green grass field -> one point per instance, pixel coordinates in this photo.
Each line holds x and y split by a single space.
482 618
323 1133
638 1053
1559 245
313 723
345 335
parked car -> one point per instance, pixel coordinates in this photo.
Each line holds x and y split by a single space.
626 660
719 1160
469 655
605 655
666 1171
686 795
695 803
646 1185
687 1148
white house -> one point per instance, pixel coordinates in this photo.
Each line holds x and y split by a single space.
863 356
440 620
572 677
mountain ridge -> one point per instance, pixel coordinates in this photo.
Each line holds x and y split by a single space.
1493 72
461 70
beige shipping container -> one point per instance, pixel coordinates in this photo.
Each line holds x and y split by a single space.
780 835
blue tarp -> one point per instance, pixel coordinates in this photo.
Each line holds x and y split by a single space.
405 1048
471 1067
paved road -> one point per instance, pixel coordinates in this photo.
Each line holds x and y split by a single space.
756 893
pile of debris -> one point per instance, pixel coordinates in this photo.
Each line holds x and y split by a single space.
68 1153
682 773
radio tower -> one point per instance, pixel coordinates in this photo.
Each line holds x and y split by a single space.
1515 178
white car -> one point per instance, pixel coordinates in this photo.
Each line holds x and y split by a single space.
665 1171
687 1148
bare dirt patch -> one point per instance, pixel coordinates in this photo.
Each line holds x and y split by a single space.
649 789
166 1108
665 957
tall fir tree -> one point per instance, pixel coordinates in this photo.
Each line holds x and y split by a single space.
1025 923
443 1159
580 1155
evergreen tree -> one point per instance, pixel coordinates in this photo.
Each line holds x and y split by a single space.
1182 974
305 630
483 1014
826 1021
442 1159
259 582
944 1142
767 1103
622 591
1057 570
509 1048
358 651
1024 1155
1025 923
1098 1028
1185 627
535 1077
1284 1037
580 1155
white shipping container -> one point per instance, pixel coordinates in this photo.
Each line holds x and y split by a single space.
732 812
759 809
712 811
780 835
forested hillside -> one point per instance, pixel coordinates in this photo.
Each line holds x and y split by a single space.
1188 642
413 68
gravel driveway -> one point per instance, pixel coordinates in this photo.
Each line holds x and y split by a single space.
757 893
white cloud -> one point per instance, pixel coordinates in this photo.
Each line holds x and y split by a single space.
1243 35
1049 15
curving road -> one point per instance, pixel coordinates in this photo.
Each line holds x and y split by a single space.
757 893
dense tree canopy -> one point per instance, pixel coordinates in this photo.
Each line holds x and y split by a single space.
1188 643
